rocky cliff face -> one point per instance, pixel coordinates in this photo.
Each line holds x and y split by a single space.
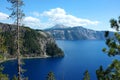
32 42
75 33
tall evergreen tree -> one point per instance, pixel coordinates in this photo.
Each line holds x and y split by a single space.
3 49
111 73
3 76
113 43
15 78
17 14
50 76
101 74
86 75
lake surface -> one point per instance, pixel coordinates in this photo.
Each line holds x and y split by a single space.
79 56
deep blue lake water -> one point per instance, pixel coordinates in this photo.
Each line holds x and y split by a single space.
79 56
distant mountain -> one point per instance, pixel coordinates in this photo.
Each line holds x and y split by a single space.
58 26
74 33
32 42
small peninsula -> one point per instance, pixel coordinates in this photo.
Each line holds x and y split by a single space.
33 43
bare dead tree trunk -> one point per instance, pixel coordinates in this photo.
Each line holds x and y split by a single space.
18 15
18 45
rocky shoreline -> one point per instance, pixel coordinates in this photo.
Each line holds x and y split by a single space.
9 59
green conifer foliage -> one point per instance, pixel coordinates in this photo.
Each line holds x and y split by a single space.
3 76
51 76
113 42
86 75
112 72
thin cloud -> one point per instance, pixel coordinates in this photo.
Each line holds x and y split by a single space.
32 22
36 14
3 16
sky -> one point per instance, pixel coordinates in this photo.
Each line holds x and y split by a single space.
41 14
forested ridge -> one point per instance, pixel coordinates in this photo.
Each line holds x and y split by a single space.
32 43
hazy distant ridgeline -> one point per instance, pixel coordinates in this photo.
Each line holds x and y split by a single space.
60 32
32 42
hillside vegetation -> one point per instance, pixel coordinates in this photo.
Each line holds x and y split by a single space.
32 43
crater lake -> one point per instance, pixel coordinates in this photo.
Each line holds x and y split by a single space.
79 56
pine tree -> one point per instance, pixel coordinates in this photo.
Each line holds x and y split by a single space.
101 74
3 76
50 76
86 75
3 49
17 14
113 43
15 78
111 73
